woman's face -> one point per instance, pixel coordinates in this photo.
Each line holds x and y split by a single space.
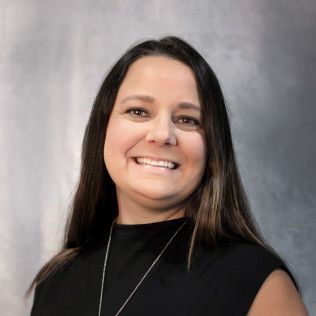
155 120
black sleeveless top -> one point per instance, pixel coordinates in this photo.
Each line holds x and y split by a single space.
222 281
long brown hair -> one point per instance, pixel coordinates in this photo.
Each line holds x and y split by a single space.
218 207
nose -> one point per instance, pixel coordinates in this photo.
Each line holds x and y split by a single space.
162 131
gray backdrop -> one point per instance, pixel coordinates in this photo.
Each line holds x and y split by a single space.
54 55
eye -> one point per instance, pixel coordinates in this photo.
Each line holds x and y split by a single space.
189 121
137 112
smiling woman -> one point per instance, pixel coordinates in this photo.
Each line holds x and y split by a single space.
160 223
159 127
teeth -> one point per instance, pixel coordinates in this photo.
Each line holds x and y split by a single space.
147 161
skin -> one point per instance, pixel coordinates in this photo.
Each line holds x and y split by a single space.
161 129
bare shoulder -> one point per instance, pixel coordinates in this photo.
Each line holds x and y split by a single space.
278 296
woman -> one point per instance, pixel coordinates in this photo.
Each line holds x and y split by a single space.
160 223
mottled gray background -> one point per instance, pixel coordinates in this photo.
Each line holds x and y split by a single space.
53 56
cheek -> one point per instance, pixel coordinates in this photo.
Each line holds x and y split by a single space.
195 152
120 137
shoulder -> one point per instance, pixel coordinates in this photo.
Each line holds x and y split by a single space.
46 288
60 280
54 277
249 259
278 296
247 264
244 268
60 275
252 263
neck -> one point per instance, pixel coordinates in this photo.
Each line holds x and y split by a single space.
131 219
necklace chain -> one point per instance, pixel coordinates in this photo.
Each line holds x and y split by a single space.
144 276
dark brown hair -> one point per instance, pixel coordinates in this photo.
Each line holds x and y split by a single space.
218 206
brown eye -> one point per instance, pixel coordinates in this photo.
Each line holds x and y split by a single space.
189 121
137 112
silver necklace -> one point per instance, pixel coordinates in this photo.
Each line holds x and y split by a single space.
141 280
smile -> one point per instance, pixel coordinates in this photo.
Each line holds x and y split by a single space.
156 163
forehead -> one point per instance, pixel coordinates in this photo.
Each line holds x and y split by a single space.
161 77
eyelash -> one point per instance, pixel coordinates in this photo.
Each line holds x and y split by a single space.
196 122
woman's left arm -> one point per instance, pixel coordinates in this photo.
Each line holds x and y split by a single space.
277 297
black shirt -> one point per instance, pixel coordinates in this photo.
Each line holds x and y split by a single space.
223 281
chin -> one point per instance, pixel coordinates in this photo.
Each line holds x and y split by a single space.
157 195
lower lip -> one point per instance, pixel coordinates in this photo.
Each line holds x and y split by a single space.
154 169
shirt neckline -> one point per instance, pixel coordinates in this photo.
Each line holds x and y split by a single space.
170 222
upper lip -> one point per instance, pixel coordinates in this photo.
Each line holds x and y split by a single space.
156 158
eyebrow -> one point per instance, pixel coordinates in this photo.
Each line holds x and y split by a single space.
149 99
